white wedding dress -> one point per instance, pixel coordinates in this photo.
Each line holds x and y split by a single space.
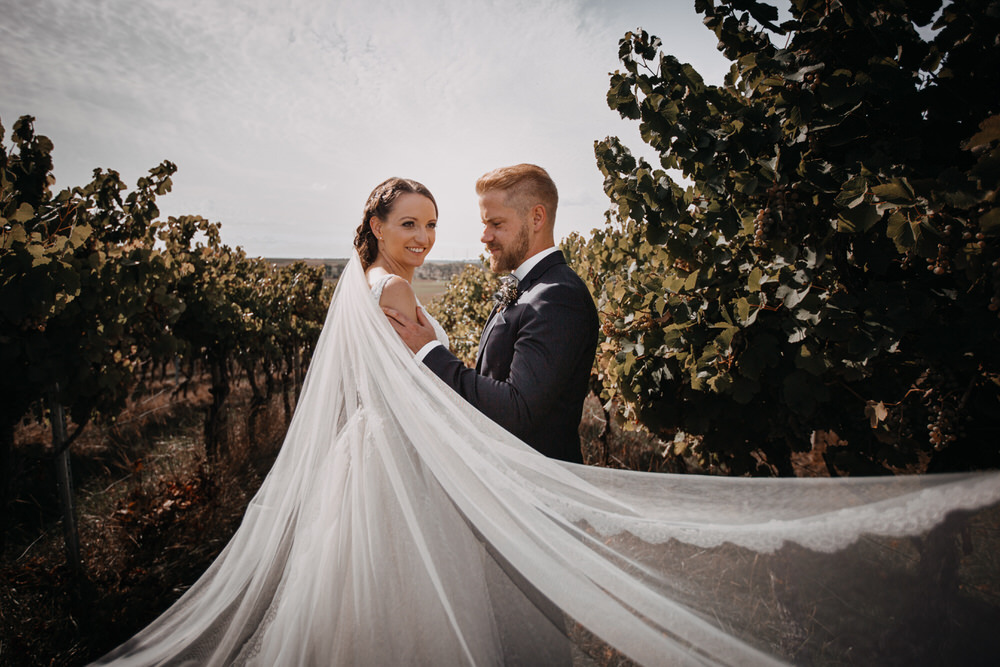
399 526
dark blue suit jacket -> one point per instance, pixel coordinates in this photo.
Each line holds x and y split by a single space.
534 361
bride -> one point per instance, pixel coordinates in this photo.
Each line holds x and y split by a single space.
401 526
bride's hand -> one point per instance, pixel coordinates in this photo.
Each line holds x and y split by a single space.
414 334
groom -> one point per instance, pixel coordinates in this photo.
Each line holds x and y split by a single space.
538 346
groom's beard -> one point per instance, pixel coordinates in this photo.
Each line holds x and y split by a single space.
511 257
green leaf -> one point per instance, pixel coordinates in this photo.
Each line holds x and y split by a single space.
858 219
629 363
903 232
989 131
790 296
16 235
23 213
809 361
876 412
721 383
725 339
798 334
761 352
80 234
746 183
744 389
852 192
743 309
898 191
801 74
990 220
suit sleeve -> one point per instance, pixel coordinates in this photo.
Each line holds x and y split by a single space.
556 331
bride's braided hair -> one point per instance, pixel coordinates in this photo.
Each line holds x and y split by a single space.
379 205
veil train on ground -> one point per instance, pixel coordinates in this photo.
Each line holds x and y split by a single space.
401 526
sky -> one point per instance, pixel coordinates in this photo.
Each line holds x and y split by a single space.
283 115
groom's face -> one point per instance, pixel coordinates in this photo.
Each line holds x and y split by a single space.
506 232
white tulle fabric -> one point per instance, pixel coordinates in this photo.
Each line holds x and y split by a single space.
400 526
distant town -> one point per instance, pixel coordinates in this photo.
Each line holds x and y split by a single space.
432 270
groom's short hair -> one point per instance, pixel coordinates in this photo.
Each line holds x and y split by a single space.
525 185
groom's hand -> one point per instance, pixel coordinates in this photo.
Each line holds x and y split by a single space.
414 334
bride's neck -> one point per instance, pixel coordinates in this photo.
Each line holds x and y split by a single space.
387 265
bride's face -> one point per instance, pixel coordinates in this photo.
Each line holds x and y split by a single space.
406 235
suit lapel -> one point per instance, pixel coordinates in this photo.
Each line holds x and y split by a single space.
536 272
482 337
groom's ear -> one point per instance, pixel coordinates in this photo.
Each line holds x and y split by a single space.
538 217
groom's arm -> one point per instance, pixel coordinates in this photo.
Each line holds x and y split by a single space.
418 335
552 342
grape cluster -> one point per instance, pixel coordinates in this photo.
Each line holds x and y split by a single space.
950 243
940 264
978 237
777 213
957 237
908 259
761 225
941 402
899 420
979 240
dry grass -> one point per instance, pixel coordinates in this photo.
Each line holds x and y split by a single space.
151 515
609 446
426 290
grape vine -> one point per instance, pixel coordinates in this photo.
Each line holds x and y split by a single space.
834 263
96 290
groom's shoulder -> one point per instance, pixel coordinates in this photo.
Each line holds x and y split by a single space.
561 284
561 272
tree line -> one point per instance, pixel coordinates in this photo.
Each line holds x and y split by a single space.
430 270
97 293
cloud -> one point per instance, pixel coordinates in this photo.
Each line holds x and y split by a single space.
283 116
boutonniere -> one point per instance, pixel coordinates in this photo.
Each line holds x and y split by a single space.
508 293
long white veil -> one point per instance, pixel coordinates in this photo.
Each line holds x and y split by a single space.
400 526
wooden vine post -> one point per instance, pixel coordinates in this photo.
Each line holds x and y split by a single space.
64 482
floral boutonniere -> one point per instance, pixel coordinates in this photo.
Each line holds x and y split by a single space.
508 293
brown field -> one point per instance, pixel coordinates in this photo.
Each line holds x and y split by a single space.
428 289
